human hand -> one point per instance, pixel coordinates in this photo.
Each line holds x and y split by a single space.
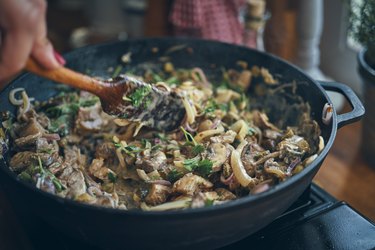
23 33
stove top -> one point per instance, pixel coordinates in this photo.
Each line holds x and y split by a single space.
315 221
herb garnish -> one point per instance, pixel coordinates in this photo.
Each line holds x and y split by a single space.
212 105
204 167
112 177
174 175
44 173
197 148
139 96
62 115
208 203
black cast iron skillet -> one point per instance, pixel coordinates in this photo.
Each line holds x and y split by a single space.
205 228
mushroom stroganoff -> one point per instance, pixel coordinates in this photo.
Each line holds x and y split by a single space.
230 144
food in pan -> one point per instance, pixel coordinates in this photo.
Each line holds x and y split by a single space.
242 134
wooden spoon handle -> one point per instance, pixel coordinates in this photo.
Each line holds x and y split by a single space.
67 76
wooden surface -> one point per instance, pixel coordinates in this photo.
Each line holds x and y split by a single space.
345 174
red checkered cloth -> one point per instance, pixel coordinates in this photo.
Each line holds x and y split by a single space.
209 19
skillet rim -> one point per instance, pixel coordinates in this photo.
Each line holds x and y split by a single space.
240 202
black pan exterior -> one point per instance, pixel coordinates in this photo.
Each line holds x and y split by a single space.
203 228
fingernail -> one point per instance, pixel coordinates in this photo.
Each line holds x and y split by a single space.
59 57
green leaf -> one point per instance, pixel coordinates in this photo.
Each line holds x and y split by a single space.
203 167
146 144
174 175
61 125
140 95
212 105
191 164
88 102
112 177
161 136
172 80
197 149
46 173
208 203
117 71
24 176
129 149
157 78
189 137
251 131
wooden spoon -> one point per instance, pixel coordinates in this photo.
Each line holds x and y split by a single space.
123 96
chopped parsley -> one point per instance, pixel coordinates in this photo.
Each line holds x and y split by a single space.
208 203
251 131
139 96
172 80
174 175
203 167
161 136
117 71
63 114
189 137
197 148
128 149
146 144
112 177
212 105
157 78
43 174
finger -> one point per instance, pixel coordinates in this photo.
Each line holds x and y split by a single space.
44 54
15 49
42 50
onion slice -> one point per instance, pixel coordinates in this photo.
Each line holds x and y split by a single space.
239 170
12 96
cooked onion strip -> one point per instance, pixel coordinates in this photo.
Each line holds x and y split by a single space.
121 122
26 102
178 204
241 128
12 97
190 111
239 170
208 133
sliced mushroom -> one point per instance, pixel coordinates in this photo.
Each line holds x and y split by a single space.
27 141
76 183
107 200
157 194
22 160
204 199
227 137
190 184
90 119
249 153
150 161
273 168
244 79
105 150
225 194
218 154
295 146
261 120
98 169
32 127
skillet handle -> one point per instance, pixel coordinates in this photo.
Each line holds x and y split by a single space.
358 109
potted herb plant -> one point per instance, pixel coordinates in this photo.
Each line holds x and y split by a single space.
362 29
